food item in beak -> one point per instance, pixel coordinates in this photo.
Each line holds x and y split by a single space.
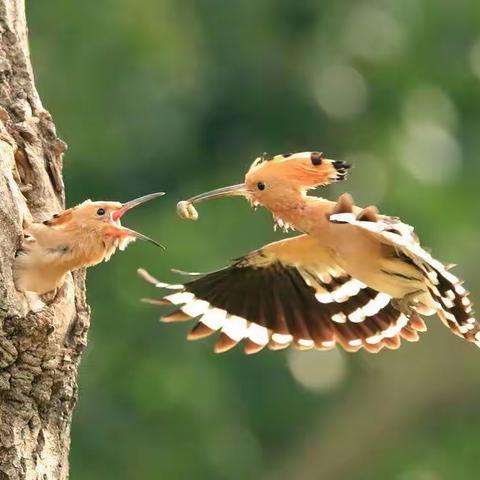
187 211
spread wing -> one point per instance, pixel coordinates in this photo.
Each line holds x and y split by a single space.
288 292
452 302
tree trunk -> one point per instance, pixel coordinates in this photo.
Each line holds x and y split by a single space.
39 352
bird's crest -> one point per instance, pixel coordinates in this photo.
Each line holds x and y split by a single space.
59 219
305 169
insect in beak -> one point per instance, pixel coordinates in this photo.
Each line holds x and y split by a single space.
127 232
186 209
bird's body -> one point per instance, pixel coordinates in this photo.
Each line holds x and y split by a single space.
351 248
78 237
353 277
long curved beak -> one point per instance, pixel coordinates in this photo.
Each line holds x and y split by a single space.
135 203
117 215
232 191
133 233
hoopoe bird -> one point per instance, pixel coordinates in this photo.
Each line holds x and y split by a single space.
352 278
78 237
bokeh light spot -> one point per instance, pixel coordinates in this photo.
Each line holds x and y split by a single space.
319 371
428 103
430 153
373 34
341 91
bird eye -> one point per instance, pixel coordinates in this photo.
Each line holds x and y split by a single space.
261 186
101 212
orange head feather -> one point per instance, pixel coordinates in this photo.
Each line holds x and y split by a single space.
301 171
100 217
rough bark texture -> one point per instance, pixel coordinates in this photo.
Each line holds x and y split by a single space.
39 352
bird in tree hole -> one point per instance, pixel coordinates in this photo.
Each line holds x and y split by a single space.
78 237
352 278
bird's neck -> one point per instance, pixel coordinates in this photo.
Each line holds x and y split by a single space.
49 253
72 247
91 246
305 214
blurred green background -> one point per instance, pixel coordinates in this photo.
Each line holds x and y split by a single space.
181 96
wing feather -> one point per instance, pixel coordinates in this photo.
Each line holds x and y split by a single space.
452 303
267 299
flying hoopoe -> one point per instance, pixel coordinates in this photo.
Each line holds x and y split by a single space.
353 278
78 237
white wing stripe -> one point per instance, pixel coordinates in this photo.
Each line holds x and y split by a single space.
195 308
324 297
394 330
235 327
179 298
303 342
214 318
376 304
347 290
374 339
258 334
357 316
339 318
282 339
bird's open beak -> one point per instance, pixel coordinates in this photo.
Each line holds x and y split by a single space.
134 203
232 191
117 215
132 233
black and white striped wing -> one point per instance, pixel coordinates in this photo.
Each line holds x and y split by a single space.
453 305
264 301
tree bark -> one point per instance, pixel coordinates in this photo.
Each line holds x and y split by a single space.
39 352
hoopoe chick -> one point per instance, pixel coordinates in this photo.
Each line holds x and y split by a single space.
78 237
353 278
